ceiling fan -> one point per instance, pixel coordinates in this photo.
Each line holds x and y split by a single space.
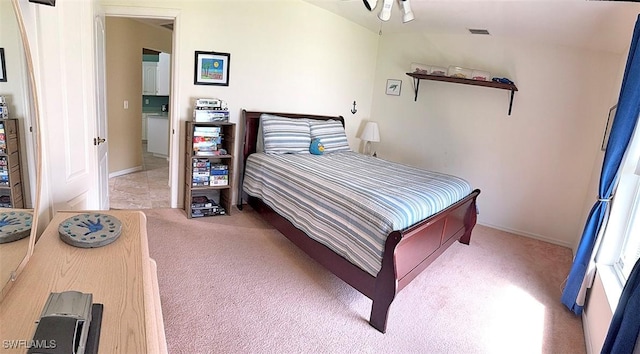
385 11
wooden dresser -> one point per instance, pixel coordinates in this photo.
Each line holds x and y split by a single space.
120 275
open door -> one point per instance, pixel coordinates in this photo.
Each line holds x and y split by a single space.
100 142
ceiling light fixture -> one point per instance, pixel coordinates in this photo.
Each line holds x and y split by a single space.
387 5
407 14
385 11
370 4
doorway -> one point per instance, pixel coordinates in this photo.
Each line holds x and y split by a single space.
139 175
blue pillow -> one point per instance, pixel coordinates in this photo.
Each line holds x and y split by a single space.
316 147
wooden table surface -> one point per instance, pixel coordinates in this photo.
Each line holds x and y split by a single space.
119 275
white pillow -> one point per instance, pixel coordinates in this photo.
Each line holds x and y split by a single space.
283 135
331 134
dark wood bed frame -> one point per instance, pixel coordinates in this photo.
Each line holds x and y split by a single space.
407 252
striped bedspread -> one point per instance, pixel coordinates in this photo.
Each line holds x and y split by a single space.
348 201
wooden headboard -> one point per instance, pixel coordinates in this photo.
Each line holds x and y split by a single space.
252 123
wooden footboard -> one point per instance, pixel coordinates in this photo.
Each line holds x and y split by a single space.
407 252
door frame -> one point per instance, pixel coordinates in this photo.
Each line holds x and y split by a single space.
174 121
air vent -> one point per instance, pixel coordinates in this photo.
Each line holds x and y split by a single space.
479 31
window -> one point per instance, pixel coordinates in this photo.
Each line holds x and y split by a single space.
630 250
620 244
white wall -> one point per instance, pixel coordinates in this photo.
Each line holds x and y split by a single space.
533 167
14 88
286 56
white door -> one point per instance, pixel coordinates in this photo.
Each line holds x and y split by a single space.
68 114
164 69
100 141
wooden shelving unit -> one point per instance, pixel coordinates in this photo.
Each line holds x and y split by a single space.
491 84
220 194
11 187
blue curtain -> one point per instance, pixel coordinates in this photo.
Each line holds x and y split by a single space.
621 131
625 325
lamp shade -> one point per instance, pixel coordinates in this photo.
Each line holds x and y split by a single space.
370 132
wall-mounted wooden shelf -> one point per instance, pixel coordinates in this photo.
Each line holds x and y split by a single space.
456 80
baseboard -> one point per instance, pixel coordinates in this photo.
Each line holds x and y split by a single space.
160 156
125 172
528 234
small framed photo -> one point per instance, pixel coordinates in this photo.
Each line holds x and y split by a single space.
393 87
211 68
3 67
607 131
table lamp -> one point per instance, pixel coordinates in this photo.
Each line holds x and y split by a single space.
370 134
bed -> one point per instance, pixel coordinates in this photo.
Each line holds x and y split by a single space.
377 266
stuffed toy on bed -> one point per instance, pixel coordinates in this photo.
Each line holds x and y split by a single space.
316 147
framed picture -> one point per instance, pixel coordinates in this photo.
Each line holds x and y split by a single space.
211 68
607 131
3 67
393 87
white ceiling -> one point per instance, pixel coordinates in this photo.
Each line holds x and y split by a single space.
597 25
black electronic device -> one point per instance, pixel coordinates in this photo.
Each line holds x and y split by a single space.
66 325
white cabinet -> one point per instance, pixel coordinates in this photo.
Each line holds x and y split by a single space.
163 74
149 78
155 76
158 135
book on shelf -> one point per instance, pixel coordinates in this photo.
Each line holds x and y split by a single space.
201 201
219 180
195 213
206 173
204 206
207 131
198 179
204 143
209 115
201 163
219 169
204 212
219 152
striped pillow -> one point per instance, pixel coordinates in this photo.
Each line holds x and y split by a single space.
285 135
331 133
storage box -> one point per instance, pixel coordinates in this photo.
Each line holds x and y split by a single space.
481 75
438 71
4 112
418 68
209 115
459 72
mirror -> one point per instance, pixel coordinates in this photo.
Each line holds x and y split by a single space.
16 86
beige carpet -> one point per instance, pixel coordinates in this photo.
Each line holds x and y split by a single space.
232 284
